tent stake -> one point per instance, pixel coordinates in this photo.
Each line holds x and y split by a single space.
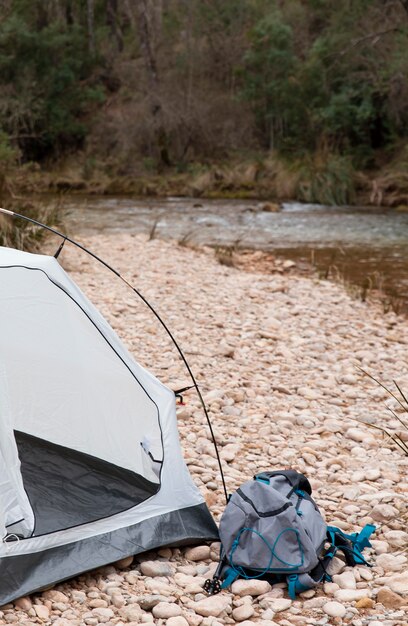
147 303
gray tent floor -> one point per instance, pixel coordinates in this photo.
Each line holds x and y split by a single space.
67 488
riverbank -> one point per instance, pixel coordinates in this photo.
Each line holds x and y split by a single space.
316 178
276 356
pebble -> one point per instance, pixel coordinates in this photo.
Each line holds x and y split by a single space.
280 604
397 538
399 583
349 595
24 603
383 512
389 599
103 614
346 580
243 612
365 603
198 553
156 568
164 610
212 606
42 611
177 620
334 609
391 562
55 596
250 587
124 563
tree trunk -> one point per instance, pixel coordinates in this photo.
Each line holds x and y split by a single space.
69 16
113 22
146 16
405 4
90 14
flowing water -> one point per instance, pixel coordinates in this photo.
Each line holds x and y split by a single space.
367 247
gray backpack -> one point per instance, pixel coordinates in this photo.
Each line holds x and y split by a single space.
272 528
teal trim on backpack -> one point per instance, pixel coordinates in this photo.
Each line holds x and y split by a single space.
289 566
230 576
357 541
262 480
295 587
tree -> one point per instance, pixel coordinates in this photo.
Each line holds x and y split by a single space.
149 18
270 82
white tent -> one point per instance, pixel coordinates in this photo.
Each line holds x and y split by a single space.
91 468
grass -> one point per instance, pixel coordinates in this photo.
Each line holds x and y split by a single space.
395 436
17 233
373 287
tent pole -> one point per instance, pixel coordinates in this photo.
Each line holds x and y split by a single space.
152 309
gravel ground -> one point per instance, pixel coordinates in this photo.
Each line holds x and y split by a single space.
276 356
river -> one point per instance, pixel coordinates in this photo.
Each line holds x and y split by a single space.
365 247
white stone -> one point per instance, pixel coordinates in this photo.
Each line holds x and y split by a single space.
349 595
397 538
103 614
131 613
391 562
43 612
380 547
383 512
124 563
330 588
399 583
346 580
250 587
243 612
164 610
198 553
356 434
55 596
156 568
192 584
24 603
212 606
280 604
78 596
334 609
336 566
178 620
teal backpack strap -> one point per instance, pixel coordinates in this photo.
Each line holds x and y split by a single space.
362 540
231 575
295 585
351 545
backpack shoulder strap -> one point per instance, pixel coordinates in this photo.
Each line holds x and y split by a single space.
351 545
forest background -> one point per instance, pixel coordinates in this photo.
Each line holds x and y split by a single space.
277 99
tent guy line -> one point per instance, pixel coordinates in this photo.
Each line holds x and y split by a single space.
147 303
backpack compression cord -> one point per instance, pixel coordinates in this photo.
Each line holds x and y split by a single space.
65 238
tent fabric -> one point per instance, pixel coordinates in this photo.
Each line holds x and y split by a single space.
89 446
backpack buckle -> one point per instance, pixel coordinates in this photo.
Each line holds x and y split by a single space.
212 586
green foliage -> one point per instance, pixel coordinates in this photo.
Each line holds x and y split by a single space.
8 160
197 80
45 85
324 179
270 83
8 154
329 80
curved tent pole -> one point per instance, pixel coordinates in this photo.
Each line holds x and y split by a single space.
147 303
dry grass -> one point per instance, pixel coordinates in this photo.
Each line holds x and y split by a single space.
398 437
17 233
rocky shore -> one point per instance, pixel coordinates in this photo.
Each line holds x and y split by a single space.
277 356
